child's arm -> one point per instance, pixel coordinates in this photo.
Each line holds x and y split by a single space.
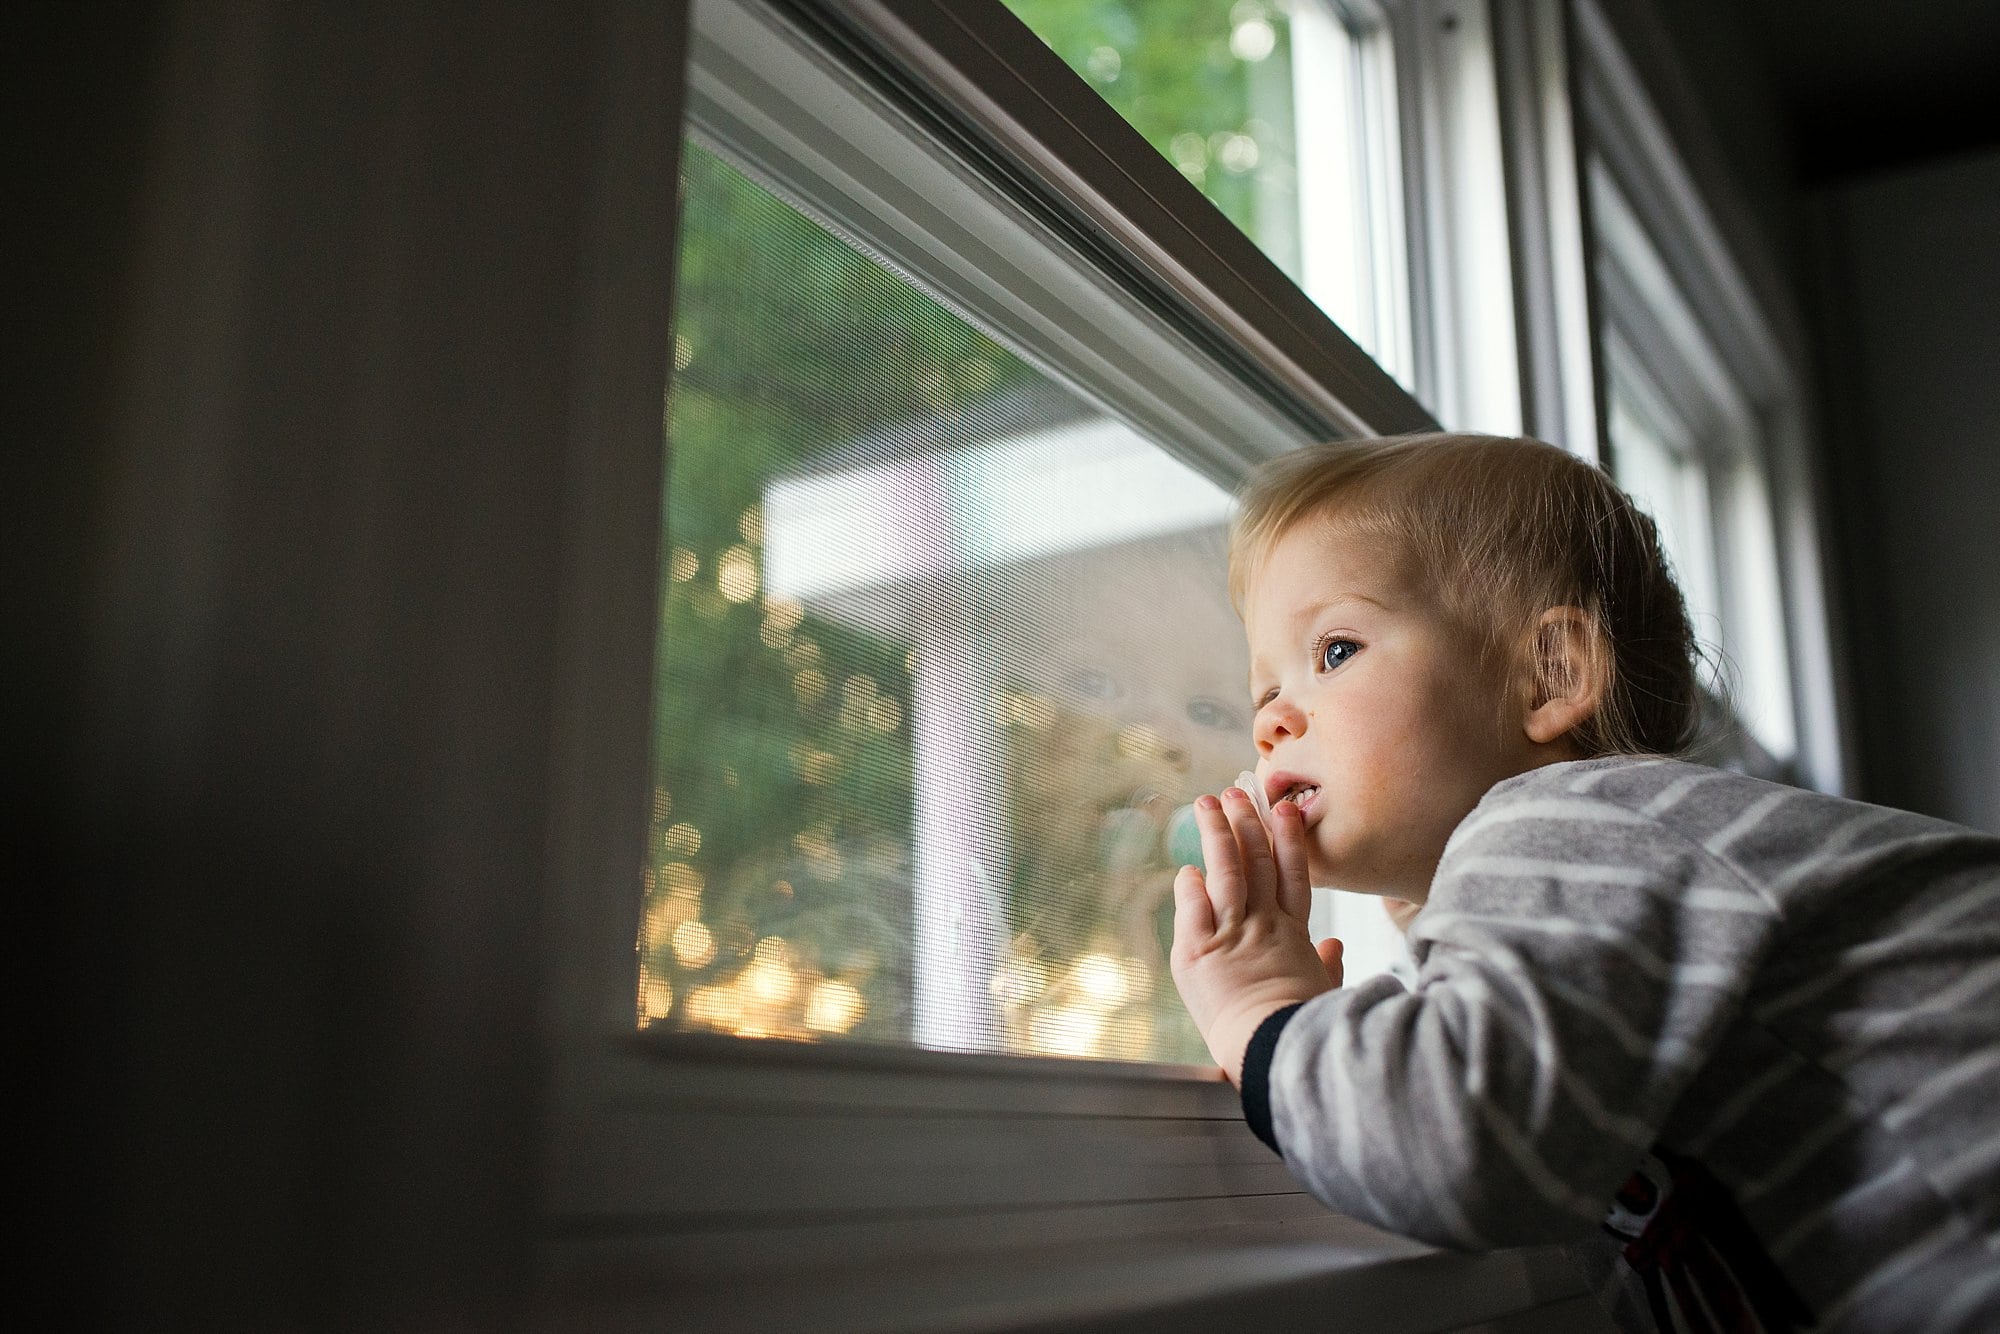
1578 962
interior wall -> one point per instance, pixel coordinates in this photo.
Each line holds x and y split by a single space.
1910 319
358 288
83 84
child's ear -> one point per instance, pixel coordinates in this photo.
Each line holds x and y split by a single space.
1567 675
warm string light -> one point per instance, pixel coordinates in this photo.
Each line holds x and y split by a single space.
814 766
736 574
816 844
694 945
1093 1007
810 686
863 706
1026 709
834 1007
777 994
656 1000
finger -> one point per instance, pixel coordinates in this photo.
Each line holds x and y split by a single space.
1331 958
1288 844
1222 863
1194 915
1260 864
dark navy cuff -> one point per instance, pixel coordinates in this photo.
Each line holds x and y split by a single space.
1256 1082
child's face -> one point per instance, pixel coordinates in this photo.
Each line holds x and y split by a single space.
1363 687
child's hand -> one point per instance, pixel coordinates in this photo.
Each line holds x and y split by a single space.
1240 945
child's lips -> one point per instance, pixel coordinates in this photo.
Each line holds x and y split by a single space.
1282 785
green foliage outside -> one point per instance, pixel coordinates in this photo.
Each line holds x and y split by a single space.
1167 66
783 806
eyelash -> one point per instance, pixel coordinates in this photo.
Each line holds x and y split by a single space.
1320 646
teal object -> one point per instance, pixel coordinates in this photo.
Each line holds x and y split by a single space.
1184 838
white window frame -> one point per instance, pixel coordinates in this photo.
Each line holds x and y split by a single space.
1353 261
1462 268
1555 339
729 1184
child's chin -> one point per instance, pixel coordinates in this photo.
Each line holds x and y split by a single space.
1344 873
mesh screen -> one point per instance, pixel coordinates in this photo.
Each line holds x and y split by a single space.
945 654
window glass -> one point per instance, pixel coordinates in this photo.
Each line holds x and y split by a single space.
1283 113
1686 443
945 656
1764 685
1662 473
1715 522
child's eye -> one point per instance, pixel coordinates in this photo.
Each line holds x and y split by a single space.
1213 713
1333 652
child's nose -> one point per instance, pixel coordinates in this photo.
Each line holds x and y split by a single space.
1277 721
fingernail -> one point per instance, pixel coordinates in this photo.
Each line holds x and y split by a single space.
1208 803
1237 793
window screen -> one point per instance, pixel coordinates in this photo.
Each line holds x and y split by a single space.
945 655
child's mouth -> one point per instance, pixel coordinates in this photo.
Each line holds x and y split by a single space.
1303 796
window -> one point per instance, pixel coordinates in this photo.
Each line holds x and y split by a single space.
963 373
939 439
952 516
1686 444
1467 359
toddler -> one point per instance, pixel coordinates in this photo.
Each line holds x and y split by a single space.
1737 1041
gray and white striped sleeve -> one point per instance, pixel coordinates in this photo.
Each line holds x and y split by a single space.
1577 962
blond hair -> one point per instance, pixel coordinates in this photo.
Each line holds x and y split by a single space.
1499 530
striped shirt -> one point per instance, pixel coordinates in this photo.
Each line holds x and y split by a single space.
1790 998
